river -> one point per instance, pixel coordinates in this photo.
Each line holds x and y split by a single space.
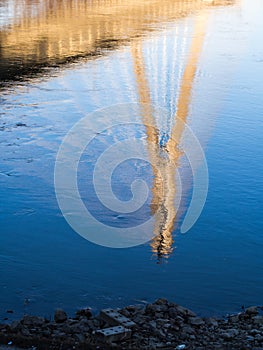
162 101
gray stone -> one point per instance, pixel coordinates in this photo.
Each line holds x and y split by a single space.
91 325
253 310
259 337
153 325
25 332
84 312
230 334
196 321
153 309
15 326
28 320
212 322
258 320
80 337
125 312
250 338
162 321
60 316
184 311
188 330
233 318
58 334
172 312
139 319
135 308
181 347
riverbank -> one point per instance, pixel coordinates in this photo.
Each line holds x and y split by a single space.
160 325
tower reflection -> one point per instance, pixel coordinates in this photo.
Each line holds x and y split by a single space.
165 157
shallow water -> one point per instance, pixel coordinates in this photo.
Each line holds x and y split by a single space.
196 61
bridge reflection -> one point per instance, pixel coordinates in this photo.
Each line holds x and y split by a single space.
50 32
56 31
165 157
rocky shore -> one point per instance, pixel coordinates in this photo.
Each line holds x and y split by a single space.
160 325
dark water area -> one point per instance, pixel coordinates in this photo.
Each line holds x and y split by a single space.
147 65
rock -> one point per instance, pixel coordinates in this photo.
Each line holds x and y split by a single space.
140 320
184 311
91 325
152 309
46 333
160 334
172 312
155 328
58 334
230 334
180 347
212 322
60 316
259 337
249 338
161 301
33 321
233 318
178 320
258 320
254 331
125 312
25 332
253 310
15 326
162 321
196 321
84 312
188 330
80 337
135 308
153 325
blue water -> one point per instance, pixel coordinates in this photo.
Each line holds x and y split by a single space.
214 268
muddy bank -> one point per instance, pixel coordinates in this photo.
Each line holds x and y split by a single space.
160 325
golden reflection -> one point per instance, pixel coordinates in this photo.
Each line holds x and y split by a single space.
165 159
55 31
58 30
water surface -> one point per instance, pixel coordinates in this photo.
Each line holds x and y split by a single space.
200 61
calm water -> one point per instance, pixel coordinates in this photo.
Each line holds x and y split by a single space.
201 62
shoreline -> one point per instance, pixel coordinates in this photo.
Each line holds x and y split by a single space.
158 325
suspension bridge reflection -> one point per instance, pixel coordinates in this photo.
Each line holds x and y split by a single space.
53 32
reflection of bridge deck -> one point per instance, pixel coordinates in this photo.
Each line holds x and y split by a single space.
58 30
